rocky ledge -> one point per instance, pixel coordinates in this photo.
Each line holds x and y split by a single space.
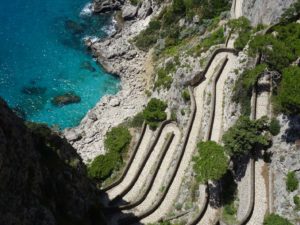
118 56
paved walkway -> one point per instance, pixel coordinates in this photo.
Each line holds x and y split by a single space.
172 194
141 181
112 193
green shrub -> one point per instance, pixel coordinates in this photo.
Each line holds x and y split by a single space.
103 165
134 2
215 38
185 95
297 202
154 112
274 219
291 14
211 162
245 136
163 79
287 99
243 88
137 120
117 139
291 182
274 127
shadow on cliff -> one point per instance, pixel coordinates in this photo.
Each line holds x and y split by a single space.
42 178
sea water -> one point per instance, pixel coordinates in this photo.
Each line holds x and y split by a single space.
42 56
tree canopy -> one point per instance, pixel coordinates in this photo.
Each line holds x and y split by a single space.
245 135
211 162
287 99
117 139
155 112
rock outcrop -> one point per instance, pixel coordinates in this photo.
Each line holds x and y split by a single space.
42 179
261 11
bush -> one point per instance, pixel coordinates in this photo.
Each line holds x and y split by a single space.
243 88
274 127
137 120
163 79
185 95
117 139
297 202
291 182
155 112
245 136
103 166
274 219
211 162
287 99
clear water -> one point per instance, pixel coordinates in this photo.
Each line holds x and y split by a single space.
42 56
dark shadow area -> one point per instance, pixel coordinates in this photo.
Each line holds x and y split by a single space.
240 163
42 178
292 133
214 189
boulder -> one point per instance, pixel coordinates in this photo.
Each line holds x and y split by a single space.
145 9
129 12
106 6
114 102
66 99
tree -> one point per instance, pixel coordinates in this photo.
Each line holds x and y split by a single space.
155 112
274 127
103 166
211 162
292 182
117 139
274 219
245 136
288 97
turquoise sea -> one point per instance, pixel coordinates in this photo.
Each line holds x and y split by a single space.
42 56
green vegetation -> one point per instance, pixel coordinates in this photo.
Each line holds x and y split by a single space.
297 202
287 98
244 85
292 182
137 120
245 136
185 95
149 36
274 127
242 27
163 79
291 14
117 139
215 38
134 2
116 143
211 162
154 113
274 219
278 50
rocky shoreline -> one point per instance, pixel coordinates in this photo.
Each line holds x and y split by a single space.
119 57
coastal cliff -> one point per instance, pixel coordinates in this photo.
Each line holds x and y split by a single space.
42 178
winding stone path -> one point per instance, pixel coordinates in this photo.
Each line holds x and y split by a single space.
142 151
141 182
211 214
170 199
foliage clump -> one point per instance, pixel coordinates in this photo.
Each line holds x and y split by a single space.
274 219
185 95
154 112
245 136
116 143
296 200
242 27
211 162
292 182
244 85
287 98
274 127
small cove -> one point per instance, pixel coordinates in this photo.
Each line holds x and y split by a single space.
42 56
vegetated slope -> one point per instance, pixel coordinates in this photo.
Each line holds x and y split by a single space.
42 179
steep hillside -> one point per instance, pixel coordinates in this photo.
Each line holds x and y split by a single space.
42 179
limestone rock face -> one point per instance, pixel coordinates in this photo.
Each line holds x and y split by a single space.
101 6
145 9
42 179
261 11
129 12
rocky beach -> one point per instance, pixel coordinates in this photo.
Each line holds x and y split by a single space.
119 57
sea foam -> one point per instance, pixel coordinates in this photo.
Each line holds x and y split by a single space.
87 10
